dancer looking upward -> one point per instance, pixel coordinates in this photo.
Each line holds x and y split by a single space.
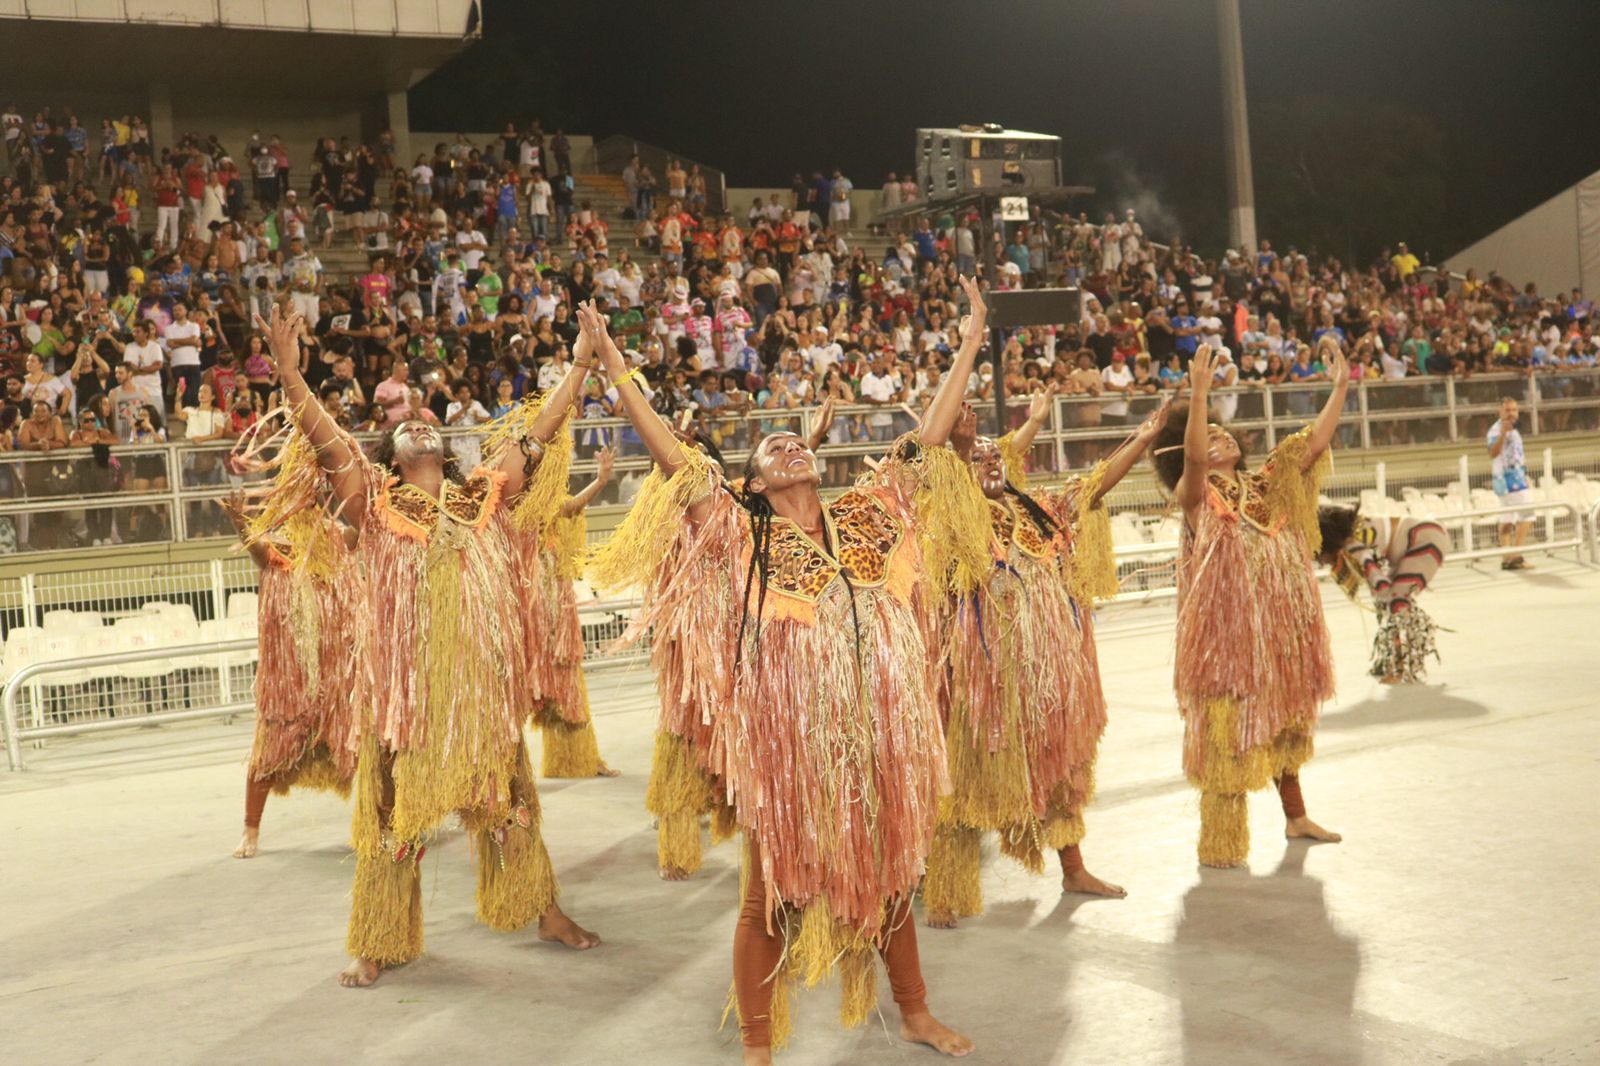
445 638
1253 662
1026 709
803 634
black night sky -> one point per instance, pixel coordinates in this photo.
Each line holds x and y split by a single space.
1431 121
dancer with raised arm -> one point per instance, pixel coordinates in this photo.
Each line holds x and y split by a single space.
445 642
801 635
1395 559
1026 709
566 728
1253 662
309 685
681 794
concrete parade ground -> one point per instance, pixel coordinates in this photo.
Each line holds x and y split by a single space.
1459 922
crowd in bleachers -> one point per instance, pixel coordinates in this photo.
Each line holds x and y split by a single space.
130 274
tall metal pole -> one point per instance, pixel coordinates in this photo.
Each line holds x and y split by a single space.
1236 132
991 273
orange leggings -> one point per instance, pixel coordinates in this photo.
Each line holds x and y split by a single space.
1294 804
756 953
255 801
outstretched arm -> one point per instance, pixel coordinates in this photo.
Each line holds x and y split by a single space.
515 464
820 424
233 506
1196 436
333 450
946 405
662 443
1327 422
1038 415
1130 451
605 460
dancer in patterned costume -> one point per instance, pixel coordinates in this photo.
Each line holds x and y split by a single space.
1253 662
1026 709
444 643
1394 558
802 640
309 687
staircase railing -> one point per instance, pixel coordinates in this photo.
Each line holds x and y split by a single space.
612 153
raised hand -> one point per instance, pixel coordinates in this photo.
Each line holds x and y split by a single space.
605 460
1200 369
1156 422
233 506
1338 367
820 423
1039 406
283 338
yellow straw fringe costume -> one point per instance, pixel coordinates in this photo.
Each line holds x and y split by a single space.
450 697
1024 708
1244 575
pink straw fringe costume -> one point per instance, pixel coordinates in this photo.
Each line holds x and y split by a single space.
309 688
1253 661
823 738
1026 710
444 654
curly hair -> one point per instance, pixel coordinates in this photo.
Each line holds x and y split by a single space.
1337 524
1166 451
383 454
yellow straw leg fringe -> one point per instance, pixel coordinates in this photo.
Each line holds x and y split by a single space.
569 750
678 841
858 986
1224 829
1062 829
1024 842
516 883
318 772
780 1016
724 823
1223 769
1291 751
385 910
366 820
952 882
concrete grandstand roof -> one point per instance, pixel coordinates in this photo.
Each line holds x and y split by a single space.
47 56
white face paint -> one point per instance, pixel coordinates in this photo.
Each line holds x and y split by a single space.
416 440
1222 451
783 459
990 467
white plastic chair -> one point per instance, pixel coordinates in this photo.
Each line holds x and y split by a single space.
139 633
243 604
60 621
154 606
89 621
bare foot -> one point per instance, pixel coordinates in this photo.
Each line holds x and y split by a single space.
360 973
606 771
1303 828
556 926
935 919
758 1056
672 873
924 1028
247 843
1087 883
1389 680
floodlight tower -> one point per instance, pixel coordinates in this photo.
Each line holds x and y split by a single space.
1236 131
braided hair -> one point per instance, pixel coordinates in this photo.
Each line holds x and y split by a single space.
762 517
1035 509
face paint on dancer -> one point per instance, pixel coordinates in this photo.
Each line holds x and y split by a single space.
782 460
1222 451
416 440
990 467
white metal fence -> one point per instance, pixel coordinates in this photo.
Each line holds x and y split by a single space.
168 493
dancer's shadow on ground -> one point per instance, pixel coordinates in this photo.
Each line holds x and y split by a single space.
1263 974
1404 703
